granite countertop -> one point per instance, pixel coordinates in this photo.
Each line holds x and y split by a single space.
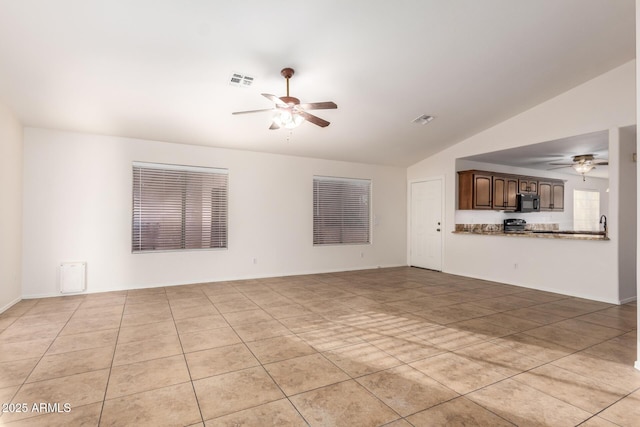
538 231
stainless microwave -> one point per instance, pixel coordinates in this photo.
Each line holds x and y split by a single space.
528 203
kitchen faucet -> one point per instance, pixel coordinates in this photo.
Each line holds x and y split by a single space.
603 220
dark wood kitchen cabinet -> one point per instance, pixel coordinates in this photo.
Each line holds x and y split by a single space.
528 185
498 191
474 190
551 195
505 189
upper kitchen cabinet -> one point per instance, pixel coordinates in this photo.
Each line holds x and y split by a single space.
505 189
528 185
474 190
498 191
551 194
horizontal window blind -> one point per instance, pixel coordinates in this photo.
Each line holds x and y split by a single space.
179 207
341 210
586 210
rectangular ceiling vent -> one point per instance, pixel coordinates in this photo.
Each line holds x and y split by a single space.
240 80
423 119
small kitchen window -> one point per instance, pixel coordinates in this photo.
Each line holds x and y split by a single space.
178 207
341 211
586 210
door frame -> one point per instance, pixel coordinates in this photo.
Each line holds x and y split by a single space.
410 182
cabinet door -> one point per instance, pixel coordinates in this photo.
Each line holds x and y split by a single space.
511 191
499 192
558 197
505 189
482 192
523 186
551 196
528 186
544 191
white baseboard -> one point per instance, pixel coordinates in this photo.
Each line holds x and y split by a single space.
538 288
630 299
11 304
220 279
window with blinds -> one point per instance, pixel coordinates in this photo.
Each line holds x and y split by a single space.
178 207
586 210
341 210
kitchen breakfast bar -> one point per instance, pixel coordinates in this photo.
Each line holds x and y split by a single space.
538 231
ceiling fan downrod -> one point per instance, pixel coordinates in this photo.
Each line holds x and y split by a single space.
287 73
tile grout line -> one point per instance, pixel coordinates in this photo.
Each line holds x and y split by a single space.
184 357
115 348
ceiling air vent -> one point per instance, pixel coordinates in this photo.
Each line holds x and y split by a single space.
423 119
241 80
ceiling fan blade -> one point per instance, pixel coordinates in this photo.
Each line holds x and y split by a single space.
319 106
274 126
314 119
604 163
561 164
275 99
560 167
253 111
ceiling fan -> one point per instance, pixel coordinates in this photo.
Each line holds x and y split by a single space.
582 163
290 113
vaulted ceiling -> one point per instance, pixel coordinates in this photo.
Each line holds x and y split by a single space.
160 69
540 156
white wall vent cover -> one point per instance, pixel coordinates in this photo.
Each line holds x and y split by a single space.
73 277
241 80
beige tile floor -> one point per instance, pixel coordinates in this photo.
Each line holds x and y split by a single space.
396 347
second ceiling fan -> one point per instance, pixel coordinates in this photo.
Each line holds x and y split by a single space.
582 164
290 113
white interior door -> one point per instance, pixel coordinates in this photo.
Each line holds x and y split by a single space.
426 224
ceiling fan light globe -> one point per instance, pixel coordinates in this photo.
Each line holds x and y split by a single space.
286 119
583 167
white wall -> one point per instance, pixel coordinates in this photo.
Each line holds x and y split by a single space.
10 208
583 268
77 207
